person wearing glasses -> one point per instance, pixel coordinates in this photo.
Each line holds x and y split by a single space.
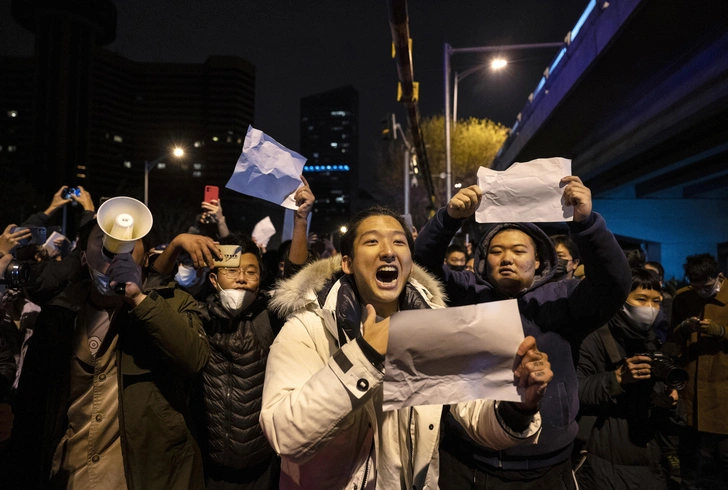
699 319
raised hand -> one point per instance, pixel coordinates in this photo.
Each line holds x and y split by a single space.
8 240
465 202
578 195
304 200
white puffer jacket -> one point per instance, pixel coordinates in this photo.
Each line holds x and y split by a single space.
322 403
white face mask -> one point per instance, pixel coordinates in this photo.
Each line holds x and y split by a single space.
235 301
642 317
186 276
101 282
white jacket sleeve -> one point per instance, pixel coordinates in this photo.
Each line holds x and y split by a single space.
306 398
481 421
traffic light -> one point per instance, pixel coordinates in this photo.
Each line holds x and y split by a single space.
389 123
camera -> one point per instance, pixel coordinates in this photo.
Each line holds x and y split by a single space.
70 191
665 370
16 274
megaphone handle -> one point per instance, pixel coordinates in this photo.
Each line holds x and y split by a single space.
120 289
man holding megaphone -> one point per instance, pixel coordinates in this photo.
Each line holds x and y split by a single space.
102 397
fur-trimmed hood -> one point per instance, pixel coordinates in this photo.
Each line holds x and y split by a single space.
304 288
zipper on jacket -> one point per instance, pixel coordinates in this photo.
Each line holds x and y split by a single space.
228 410
366 468
500 459
411 443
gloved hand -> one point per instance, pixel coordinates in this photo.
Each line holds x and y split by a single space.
123 270
710 328
688 325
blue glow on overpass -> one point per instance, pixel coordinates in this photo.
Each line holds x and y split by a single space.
326 168
582 19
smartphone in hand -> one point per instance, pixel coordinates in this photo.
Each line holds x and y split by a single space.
212 193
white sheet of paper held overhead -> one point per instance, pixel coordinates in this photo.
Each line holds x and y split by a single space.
452 355
267 169
524 192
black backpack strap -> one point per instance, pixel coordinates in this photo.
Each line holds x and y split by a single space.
611 345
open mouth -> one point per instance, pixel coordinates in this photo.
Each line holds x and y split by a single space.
387 275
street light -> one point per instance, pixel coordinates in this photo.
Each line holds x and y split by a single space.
149 166
495 65
449 51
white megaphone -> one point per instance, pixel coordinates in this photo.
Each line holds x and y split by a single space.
123 220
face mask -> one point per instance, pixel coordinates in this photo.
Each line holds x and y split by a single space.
186 276
101 282
709 294
457 267
642 317
235 301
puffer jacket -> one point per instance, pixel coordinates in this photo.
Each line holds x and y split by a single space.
558 314
322 399
161 346
233 384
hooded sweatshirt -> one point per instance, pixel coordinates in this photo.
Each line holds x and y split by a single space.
558 314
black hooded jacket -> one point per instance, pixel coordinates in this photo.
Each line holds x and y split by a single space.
557 314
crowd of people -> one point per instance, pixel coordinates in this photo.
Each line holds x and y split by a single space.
211 362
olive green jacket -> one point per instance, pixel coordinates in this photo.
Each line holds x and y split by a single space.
161 344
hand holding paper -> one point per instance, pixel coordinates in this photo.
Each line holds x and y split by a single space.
533 373
453 355
465 202
267 169
525 192
578 195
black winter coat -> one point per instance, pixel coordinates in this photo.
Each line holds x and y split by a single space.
232 383
621 450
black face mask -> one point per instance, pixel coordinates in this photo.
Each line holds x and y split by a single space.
457 267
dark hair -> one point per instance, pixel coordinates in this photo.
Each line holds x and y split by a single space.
456 248
700 267
645 279
347 240
635 257
658 266
568 244
247 244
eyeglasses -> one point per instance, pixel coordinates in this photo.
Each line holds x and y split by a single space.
230 273
706 287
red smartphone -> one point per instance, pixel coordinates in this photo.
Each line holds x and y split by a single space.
212 193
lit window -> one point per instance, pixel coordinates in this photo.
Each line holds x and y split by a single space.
337 128
162 165
197 166
81 167
341 199
345 145
127 164
229 139
12 148
197 173
198 144
230 133
344 150
214 138
316 155
118 139
339 113
240 140
1 147
334 144
310 128
12 113
81 176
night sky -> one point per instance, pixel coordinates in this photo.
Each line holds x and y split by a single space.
300 48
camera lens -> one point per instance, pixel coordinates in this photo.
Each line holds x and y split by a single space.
16 274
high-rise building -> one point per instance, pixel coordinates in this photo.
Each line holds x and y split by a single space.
139 112
330 141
